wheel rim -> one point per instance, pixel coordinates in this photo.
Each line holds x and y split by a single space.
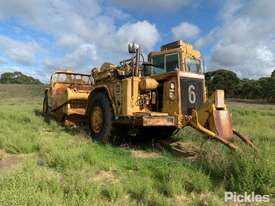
97 119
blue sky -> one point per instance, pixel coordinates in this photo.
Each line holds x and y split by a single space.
38 37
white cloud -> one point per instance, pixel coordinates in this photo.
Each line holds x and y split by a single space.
154 5
82 59
72 22
265 55
75 23
244 40
86 55
47 14
185 31
210 38
142 32
230 8
21 52
69 41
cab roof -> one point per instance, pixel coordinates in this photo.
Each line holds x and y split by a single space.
70 72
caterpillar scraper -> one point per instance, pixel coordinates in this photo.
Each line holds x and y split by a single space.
66 97
158 96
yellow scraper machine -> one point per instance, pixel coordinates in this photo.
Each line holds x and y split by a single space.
166 93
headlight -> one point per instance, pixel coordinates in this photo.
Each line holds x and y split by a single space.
172 95
172 85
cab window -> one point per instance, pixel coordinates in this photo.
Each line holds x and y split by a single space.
165 63
158 61
172 62
158 64
194 65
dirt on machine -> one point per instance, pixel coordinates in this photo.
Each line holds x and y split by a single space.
66 97
158 96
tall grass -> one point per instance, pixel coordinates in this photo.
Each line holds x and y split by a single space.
62 166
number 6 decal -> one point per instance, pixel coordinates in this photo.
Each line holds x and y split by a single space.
191 94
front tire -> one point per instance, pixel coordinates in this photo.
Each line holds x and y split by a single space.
100 117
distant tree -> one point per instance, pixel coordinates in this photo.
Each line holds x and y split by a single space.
263 88
222 79
268 87
17 78
249 89
273 75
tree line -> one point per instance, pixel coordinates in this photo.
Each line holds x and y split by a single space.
17 78
234 87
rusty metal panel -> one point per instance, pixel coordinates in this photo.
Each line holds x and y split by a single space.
158 121
219 99
223 124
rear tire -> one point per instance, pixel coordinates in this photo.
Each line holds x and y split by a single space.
45 110
100 117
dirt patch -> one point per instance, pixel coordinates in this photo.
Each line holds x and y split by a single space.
180 199
2 154
99 176
103 176
144 154
7 160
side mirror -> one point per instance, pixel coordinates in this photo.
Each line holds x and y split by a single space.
132 47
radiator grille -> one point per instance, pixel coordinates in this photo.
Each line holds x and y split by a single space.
191 94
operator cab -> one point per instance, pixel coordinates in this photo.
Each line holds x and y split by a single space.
68 77
175 56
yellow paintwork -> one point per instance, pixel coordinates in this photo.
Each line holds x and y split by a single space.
147 83
64 89
74 94
156 100
125 99
184 51
130 96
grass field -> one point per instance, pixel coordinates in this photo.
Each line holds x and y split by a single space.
46 164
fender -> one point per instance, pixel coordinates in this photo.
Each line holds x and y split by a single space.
101 88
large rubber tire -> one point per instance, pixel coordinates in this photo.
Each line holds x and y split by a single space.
100 100
45 110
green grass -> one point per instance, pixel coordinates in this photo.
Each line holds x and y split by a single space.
62 166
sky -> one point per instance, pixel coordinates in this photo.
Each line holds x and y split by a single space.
38 37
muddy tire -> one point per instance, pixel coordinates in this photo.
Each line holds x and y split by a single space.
100 117
45 110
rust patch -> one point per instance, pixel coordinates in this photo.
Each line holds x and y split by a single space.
223 124
144 154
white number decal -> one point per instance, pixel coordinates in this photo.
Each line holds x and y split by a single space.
191 94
